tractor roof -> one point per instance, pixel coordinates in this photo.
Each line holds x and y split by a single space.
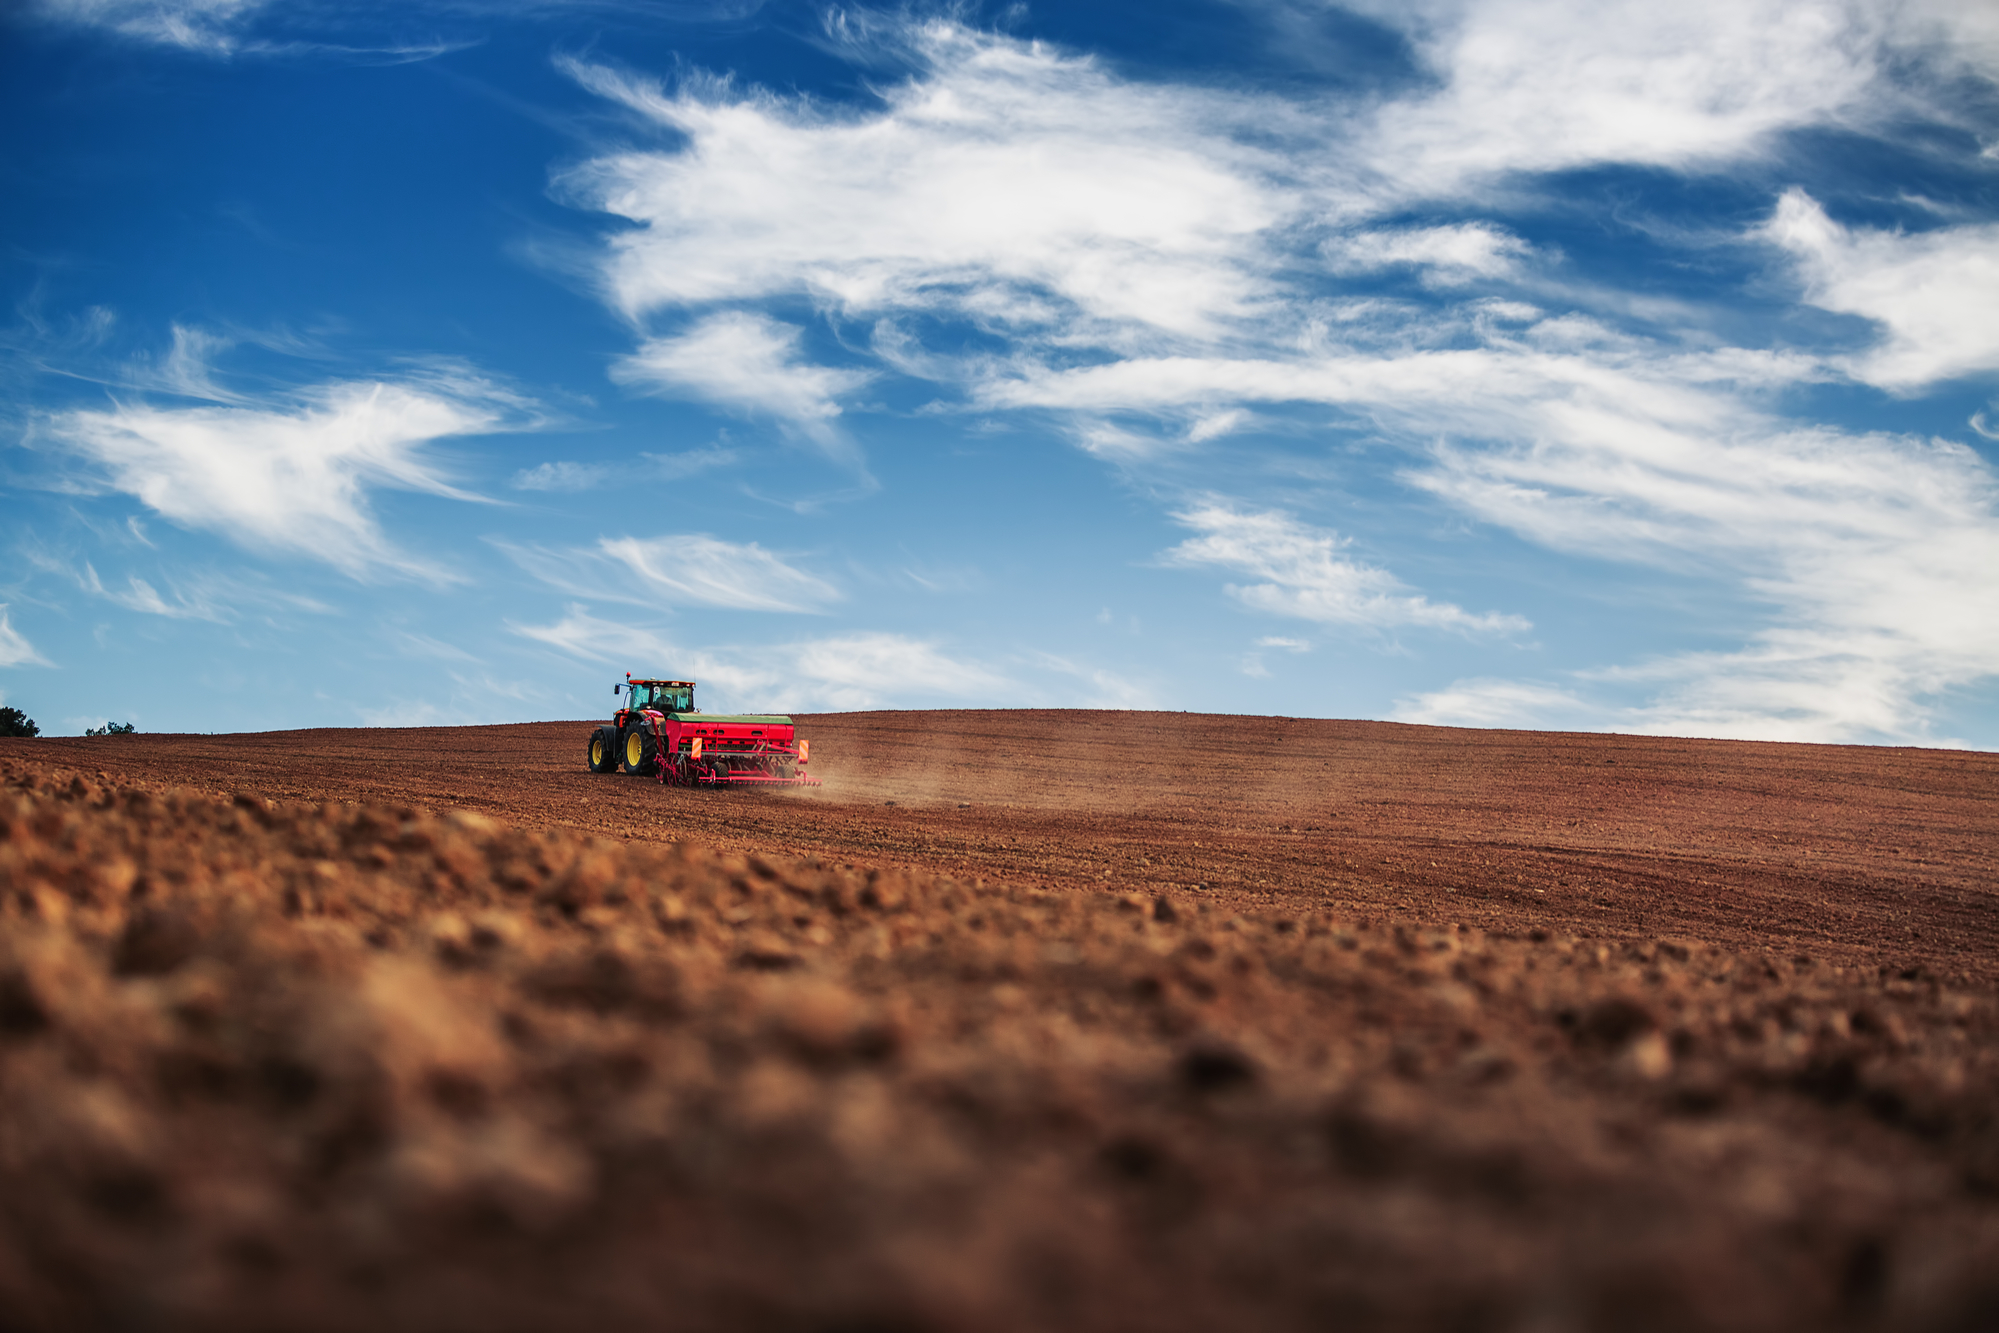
647 680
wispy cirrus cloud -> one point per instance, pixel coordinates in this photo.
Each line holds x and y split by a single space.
203 594
707 571
291 474
470 698
1006 182
1932 292
564 474
749 363
1448 255
1548 85
15 650
568 475
140 595
371 31
211 27
864 669
1488 702
1304 573
1102 688
1875 553
687 569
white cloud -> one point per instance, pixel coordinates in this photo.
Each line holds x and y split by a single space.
221 28
206 595
705 571
1450 255
199 595
1036 193
1005 182
868 670
567 475
1801 683
1878 555
1288 645
1141 251
1548 85
1106 689
748 363
580 634
1497 703
292 477
15 650
839 672
1934 292
1306 576
207 26
186 370
1792 683
423 645
1116 444
564 475
411 713
685 569
1214 425
141 596
469 700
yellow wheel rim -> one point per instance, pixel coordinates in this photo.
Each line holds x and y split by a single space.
635 749
597 751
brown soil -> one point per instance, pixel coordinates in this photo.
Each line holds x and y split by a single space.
1062 1020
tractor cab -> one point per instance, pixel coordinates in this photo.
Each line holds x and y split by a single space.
661 696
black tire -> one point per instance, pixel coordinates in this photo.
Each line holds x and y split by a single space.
640 751
604 750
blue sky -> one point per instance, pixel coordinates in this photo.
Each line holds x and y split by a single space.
1523 363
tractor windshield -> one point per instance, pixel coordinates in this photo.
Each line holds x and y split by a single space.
665 698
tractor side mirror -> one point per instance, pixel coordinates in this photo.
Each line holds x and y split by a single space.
617 689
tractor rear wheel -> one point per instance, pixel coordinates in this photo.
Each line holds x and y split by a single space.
604 750
639 751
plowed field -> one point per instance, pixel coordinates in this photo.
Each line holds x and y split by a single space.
1051 1020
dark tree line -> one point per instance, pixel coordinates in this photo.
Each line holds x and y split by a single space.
14 722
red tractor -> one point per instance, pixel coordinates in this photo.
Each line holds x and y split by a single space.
660 733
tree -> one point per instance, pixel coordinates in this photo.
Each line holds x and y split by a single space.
14 722
111 729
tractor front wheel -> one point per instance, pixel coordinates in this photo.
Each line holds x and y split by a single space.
604 750
640 749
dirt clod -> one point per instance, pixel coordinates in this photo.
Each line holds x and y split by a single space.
323 1059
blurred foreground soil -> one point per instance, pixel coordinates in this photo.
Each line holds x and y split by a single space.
1405 1029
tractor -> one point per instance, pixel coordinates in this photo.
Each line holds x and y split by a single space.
658 732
